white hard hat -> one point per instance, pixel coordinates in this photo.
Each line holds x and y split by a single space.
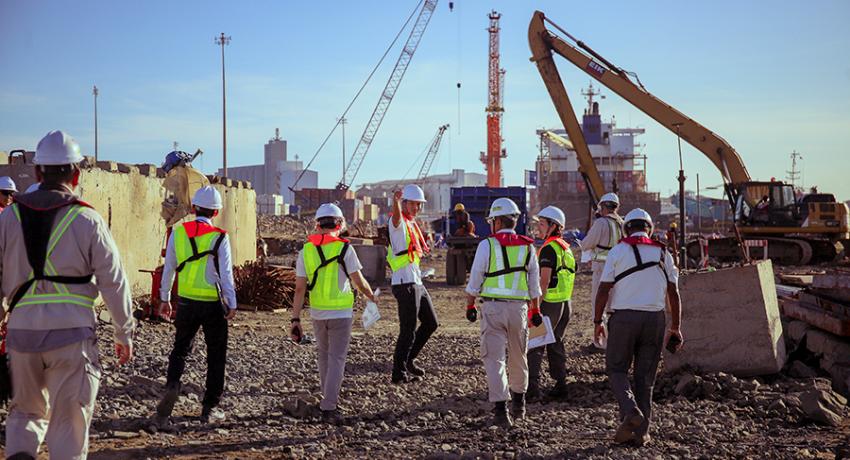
207 197
611 197
638 214
328 210
503 207
33 187
412 192
554 214
6 183
57 148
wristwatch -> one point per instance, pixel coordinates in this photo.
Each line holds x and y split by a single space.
293 320
597 322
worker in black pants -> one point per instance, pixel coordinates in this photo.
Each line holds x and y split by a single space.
414 303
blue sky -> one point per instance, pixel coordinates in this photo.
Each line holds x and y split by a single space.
770 77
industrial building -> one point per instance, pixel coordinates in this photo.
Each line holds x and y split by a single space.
275 176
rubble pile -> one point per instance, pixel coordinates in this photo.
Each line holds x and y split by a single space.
284 227
264 287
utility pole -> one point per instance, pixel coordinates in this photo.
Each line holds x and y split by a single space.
95 92
682 252
699 210
343 121
223 40
794 174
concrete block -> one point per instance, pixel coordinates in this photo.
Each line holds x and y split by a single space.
147 169
110 166
831 347
374 261
796 330
127 169
730 321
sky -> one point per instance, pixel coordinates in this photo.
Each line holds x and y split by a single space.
769 77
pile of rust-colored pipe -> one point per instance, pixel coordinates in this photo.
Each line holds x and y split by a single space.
264 287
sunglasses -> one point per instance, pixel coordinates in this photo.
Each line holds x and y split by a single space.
7 192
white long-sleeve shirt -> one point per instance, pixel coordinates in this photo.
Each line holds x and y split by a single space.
225 266
481 265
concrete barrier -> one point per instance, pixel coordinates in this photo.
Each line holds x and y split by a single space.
730 321
374 261
129 202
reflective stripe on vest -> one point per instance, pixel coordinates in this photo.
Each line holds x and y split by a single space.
507 276
564 273
403 258
61 294
615 233
322 264
191 280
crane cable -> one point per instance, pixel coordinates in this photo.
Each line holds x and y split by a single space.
362 87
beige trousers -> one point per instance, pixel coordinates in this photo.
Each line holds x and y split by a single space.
54 395
594 289
333 336
504 325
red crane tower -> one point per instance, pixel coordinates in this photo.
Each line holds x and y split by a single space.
495 153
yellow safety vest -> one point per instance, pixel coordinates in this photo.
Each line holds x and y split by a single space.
322 266
507 275
403 258
61 293
615 233
565 273
192 282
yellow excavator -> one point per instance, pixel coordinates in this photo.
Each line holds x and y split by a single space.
799 229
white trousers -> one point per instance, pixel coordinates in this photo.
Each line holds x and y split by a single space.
504 327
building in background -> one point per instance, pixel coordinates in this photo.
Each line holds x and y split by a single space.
437 190
622 168
276 175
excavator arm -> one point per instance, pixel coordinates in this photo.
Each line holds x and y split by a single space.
543 42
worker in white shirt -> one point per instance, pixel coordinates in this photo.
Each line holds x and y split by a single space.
505 274
603 235
8 189
200 255
407 246
322 273
638 279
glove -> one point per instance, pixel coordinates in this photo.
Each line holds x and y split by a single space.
536 318
471 313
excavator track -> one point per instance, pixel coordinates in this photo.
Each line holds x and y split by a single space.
782 251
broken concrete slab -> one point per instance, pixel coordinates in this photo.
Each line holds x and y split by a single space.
796 330
730 322
823 407
374 261
835 348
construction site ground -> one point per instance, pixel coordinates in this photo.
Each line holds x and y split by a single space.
272 383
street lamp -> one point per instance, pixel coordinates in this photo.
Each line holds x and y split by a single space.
95 92
682 251
223 40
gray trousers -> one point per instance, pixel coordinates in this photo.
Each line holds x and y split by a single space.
332 339
559 315
504 327
634 336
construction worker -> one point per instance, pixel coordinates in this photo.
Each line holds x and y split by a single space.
322 273
200 255
407 245
557 273
57 253
603 235
7 192
638 279
465 226
505 274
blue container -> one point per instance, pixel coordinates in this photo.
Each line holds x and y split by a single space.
477 202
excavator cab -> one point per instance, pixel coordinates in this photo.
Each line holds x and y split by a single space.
766 204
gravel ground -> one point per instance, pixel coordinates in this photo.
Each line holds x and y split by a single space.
272 386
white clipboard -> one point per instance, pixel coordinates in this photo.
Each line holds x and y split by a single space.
541 335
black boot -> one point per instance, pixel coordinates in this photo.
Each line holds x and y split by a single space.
501 417
166 404
415 370
559 391
517 405
533 392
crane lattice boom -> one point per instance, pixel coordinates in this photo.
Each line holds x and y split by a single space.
432 152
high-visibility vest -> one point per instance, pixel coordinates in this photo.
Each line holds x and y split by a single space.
412 251
26 293
323 256
507 274
564 271
615 233
193 252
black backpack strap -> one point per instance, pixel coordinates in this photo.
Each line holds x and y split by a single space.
508 269
641 265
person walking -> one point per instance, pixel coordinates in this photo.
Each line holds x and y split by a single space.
505 275
199 253
326 268
57 254
8 189
639 278
603 235
407 245
557 274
